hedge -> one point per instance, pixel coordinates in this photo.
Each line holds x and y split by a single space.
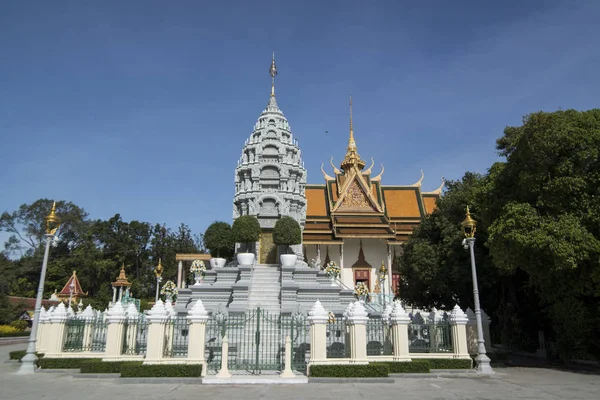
287 232
407 367
14 334
448 363
373 370
139 370
18 354
218 238
104 367
63 363
246 229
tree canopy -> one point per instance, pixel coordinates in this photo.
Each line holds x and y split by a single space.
96 249
538 238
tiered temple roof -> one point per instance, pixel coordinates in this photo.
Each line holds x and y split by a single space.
353 204
65 293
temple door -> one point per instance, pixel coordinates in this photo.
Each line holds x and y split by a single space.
395 283
363 275
268 249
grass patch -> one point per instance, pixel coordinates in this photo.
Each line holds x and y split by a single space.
373 370
139 370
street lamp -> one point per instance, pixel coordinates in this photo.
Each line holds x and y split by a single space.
382 276
469 226
158 272
71 289
28 362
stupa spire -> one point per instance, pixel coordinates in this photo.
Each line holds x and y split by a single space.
273 73
352 156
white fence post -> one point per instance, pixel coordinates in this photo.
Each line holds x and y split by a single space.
357 320
56 330
458 321
400 321
197 317
318 335
157 320
115 317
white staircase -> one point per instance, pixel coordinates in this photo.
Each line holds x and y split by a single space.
265 288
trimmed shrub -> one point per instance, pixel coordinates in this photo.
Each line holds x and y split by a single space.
448 363
411 367
373 370
139 370
245 230
104 367
19 324
218 238
64 363
287 232
10 331
17 354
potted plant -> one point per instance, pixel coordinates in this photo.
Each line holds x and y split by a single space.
287 233
361 290
169 290
245 230
219 241
198 269
333 271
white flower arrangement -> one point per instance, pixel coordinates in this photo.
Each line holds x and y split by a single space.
169 289
198 267
361 289
332 269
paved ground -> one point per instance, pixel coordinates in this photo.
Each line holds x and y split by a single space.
509 383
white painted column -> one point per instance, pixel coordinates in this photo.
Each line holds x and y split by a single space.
120 293
458 321
197 317
224 371
157 320
400 321
132 326
390 289
287 372
180 274
40 332
318 335
114 294
115 318
357 320
56 332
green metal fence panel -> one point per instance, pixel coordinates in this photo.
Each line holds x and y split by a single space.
98 331
430 338
135 336
379 340
216 327
297 327
176 337
337 333
74 335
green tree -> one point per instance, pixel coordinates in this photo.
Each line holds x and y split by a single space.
547 220
246 230
218 239
287 232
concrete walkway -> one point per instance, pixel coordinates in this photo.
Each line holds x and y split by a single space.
508 383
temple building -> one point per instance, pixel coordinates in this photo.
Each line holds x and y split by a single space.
356 221
72 290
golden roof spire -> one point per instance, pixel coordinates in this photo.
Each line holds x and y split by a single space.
273 73
352 156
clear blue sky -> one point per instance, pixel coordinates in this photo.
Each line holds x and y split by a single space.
142 107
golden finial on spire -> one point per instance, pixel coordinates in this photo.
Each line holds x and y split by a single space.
159 268
52 221
352 156
273 73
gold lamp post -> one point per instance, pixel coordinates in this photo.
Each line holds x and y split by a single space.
469 227
158 272
28 362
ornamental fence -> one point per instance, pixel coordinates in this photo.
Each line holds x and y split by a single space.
337 333
135 336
